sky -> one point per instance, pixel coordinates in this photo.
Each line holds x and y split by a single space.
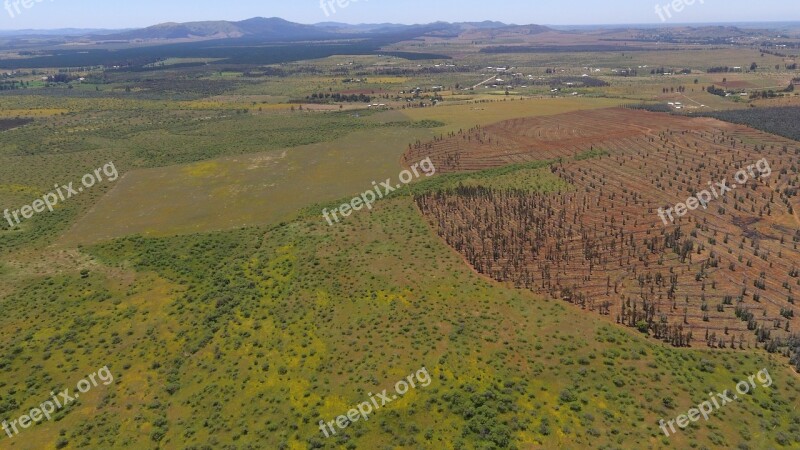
116 14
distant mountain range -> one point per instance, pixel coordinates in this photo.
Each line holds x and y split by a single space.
257 27
279 29
276 29
271 29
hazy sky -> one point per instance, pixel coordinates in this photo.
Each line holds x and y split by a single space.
139 13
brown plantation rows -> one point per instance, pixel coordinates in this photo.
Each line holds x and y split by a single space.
726 276
548 137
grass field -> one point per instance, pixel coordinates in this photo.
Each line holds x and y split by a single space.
253 189
307 319
247 190
467 116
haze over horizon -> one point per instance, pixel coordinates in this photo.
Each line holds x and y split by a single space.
52 14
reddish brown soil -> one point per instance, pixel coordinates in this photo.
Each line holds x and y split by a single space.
604 247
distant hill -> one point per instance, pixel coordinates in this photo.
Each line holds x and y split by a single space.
277 29
257 28
486 24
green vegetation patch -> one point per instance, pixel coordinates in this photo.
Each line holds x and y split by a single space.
308 319
781 120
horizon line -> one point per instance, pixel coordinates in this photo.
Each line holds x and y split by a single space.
650 24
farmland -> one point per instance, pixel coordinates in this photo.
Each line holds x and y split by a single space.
775 120
534 275
603 246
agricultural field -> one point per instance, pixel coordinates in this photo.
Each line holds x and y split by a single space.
780 120
572 270
614 251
